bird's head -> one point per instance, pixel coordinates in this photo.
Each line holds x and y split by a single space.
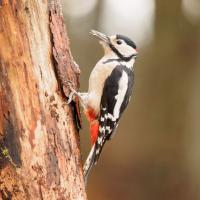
123 47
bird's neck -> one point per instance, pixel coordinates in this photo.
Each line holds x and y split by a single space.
110 57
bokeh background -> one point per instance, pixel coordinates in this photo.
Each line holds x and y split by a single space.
155 154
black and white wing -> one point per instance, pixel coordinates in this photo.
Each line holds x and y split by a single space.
115 98
116 95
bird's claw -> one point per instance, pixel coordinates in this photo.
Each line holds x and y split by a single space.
72 93
70 98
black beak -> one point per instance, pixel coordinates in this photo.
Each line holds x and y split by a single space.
100 36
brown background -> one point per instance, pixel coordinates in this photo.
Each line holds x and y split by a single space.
156 153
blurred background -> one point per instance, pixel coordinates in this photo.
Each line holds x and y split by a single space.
155 154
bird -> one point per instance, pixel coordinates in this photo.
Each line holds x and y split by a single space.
109 92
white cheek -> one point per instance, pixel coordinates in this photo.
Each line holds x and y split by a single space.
126 50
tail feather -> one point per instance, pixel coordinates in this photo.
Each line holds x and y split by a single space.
89 163
92 158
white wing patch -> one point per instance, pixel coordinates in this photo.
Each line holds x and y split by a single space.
110 116
102 119
102 129
108 129
123 86
100 140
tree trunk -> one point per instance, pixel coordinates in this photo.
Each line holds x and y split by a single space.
39 151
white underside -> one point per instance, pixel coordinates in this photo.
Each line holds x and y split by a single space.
96 83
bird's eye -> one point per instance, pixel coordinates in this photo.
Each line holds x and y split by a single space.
119 42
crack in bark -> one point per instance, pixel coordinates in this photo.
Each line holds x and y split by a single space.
65 66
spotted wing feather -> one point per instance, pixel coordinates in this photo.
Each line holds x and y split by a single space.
115 87
113 90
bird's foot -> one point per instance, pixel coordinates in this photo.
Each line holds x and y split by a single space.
72 93
70 97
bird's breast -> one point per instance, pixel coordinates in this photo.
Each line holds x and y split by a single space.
96 83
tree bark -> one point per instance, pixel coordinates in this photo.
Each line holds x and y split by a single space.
39 151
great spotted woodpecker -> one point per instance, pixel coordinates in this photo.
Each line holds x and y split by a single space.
110 88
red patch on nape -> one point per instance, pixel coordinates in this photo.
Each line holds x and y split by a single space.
90 114
94 129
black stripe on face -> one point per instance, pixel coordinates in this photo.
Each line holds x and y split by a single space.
119 54
127 40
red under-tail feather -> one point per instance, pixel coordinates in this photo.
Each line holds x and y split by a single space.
94 124
94 129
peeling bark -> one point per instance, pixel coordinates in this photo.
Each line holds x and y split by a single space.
39 152
63 56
